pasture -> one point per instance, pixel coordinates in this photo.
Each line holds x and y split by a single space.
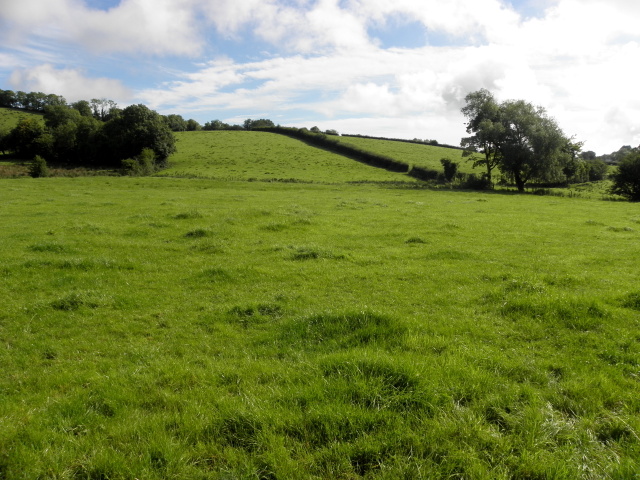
197 328
415 154
232 155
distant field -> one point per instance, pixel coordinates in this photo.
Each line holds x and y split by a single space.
159 328
9 117
412 153
265 156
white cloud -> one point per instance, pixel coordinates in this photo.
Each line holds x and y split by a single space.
574 57
149 26
71 84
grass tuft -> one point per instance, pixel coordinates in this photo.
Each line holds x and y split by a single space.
352 329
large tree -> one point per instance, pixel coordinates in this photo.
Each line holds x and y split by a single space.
483 115
519 138
532 145
134 128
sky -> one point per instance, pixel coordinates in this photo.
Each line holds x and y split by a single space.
397 69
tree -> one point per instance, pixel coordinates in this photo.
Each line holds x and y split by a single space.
597 169
135 128
483 114
193 125
83 107
7 98
104 109
519 138
24 138
176 123
261 123
531 145
215 125
626 181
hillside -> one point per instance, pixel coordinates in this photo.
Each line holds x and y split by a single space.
414 154
241 155
9 117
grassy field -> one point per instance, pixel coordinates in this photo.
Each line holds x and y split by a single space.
189 328
10 117
266 156
414 154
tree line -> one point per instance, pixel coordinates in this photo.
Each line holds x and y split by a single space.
92 133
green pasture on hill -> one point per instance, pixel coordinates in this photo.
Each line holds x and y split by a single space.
414 154
240 155
189 328
10 117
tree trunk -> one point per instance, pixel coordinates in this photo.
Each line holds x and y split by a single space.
519 182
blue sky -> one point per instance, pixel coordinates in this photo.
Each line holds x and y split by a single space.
396 69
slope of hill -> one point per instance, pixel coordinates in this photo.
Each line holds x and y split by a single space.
241 155
9 117
415 154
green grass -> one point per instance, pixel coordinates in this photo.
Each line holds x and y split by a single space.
414 154
190 328
266 157
9 117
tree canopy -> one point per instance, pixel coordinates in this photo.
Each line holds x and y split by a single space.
95 133
518 138
626 181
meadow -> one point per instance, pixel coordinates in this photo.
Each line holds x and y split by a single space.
232 155
202 328
415 154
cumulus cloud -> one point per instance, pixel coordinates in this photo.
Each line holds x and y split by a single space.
574 57
147 26
71 84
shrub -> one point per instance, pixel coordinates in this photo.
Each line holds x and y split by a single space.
626 181
142 164
450 169
475 182
38 167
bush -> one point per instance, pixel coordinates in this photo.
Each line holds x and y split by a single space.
143 164
38 167
475 182
626 181
450 169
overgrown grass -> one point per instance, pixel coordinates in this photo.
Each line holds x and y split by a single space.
183 328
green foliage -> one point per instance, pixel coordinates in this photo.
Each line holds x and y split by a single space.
141 165
250 124
626 180
597 170
24 139
135 128
38 167
77 135
521 139
450 169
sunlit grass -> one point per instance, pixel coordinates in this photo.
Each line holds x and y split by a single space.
190 328
415 154
263 156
